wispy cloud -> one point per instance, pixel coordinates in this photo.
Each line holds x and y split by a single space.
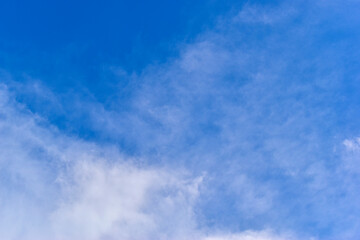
243 131
60 187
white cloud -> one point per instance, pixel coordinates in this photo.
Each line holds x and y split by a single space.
252 235
255 107
351 155
58 187
352 144
112 201
71 189
257 14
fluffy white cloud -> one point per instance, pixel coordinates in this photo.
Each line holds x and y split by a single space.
59 187
121 201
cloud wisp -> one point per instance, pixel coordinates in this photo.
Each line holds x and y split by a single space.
59 187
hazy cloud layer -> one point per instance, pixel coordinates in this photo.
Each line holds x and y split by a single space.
252 127
59 187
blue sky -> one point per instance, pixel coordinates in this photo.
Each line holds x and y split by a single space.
189 120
